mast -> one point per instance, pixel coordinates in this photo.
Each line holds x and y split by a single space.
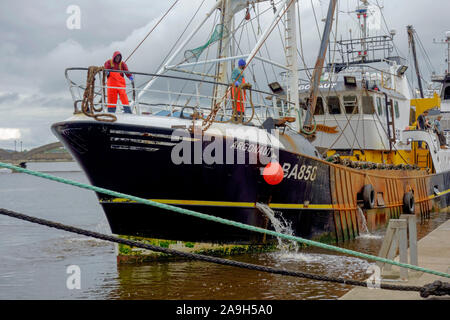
224 46
317 73
291 58
416 64
221 68
180 48
225 50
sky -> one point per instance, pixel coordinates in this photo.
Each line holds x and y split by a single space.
36 46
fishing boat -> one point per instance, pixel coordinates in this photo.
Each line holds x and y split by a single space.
316 152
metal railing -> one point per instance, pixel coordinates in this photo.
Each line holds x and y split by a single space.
175 96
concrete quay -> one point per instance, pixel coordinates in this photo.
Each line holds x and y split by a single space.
433 253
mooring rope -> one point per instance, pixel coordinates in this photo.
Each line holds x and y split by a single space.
437 288
222 220
88 105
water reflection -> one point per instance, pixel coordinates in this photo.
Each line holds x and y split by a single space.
199 280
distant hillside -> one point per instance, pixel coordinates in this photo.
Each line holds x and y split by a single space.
47 152
4 153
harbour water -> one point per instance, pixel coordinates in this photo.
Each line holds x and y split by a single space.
34 259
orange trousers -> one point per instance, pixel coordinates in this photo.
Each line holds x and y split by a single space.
117 81
239 96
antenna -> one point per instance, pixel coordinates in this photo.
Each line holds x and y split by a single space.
366 48
362 14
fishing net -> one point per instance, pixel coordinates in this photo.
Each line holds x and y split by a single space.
220 32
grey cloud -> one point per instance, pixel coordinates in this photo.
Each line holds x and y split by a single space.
7 97
35 26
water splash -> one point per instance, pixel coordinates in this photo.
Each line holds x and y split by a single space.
280 225
101 227
363 229
328 260
293 256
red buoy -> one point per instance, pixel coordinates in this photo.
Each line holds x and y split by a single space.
273 173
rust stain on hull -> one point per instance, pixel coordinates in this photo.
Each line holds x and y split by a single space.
390 187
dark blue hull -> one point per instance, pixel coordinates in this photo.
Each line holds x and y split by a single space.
137 160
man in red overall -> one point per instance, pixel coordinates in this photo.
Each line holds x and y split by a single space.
116 81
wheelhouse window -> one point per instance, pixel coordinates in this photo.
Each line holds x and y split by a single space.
319 107
447 93
351 104
334 106
304 103
379 106
367 105
396 110
412 116
390 110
